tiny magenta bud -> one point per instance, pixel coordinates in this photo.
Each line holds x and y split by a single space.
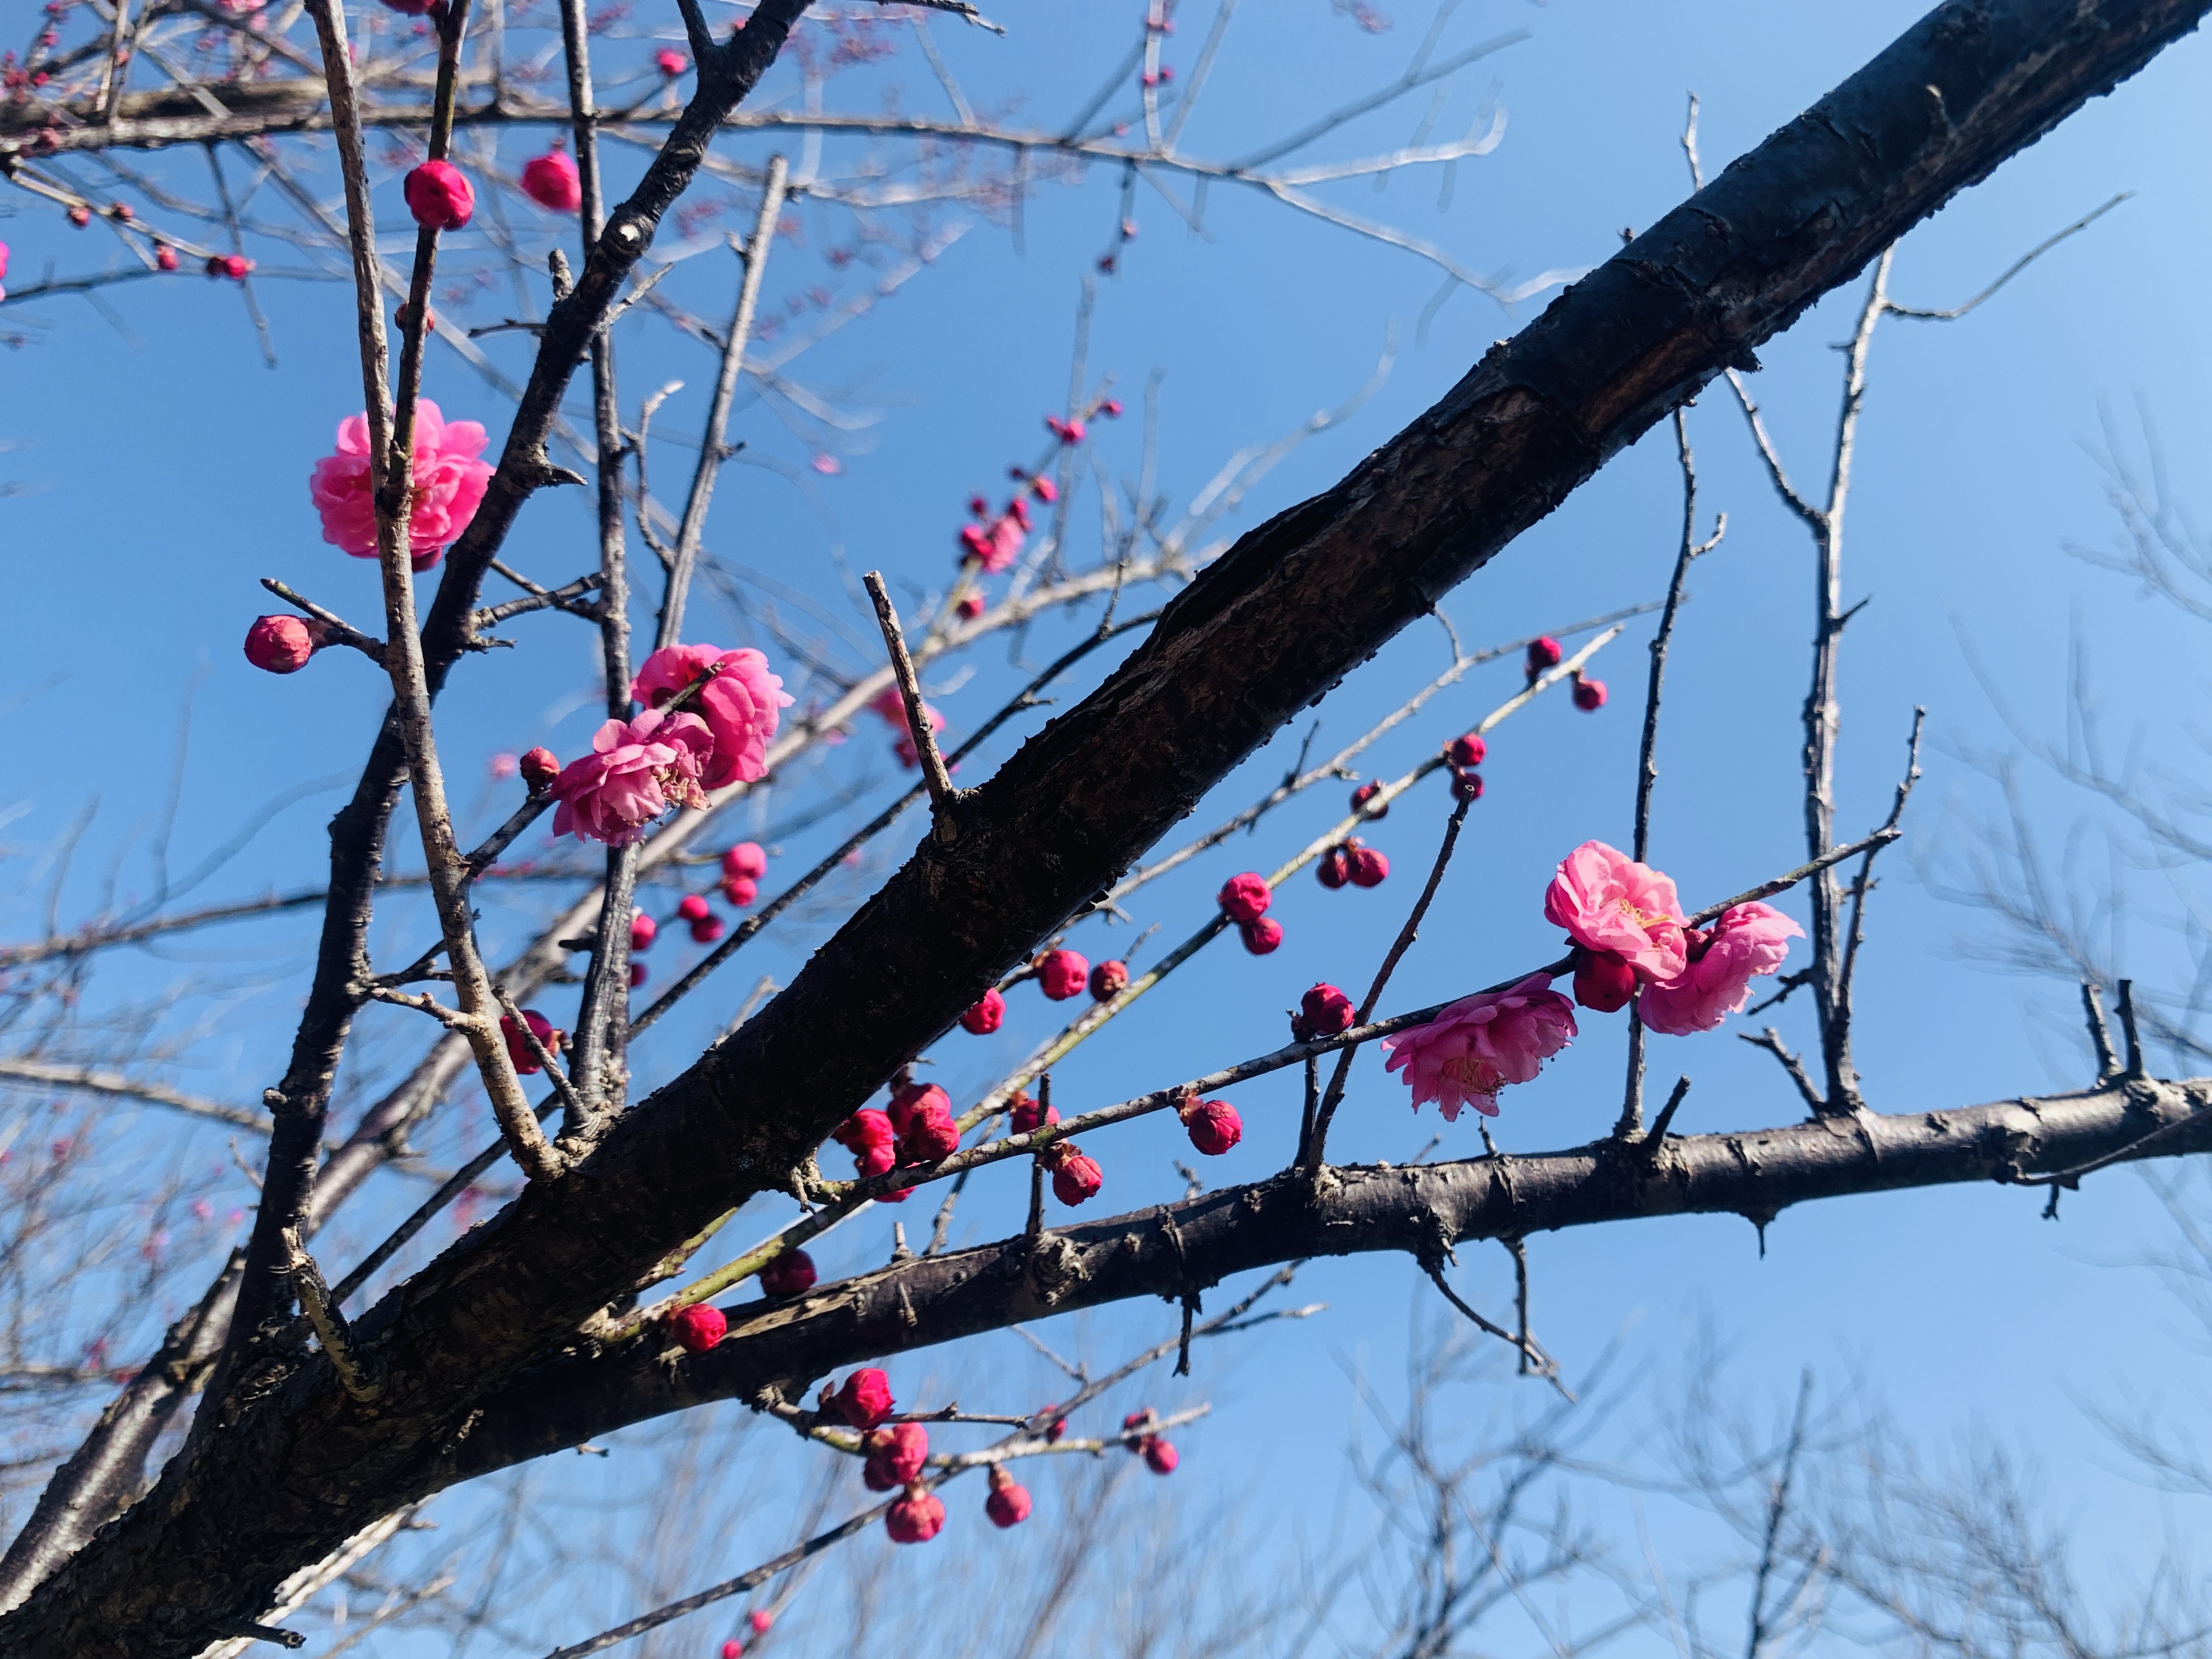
1045 489
670 62
1062 974
1603 981
1467 750
1161 1457
165 257
282 645
1262 937
1466 786
1245 897
697 1327
1072 432
760 1618
916 1518
693 907
1366 867
1366 793
707 932
979 506
747 859
505 764
1111 409
732 1649
1028 1114
1588 694
517 1050
643 929
1054 1431
122 211
1108 980
404 316
791 1273
538 766
1333 869
80 215
636 975
1214 1126
440 195
896 1453
1323 1011
1008 1505
909 1100
866 1129
1544 654
740 891
865 1400
971 606
551 180
987 1016
1076 1176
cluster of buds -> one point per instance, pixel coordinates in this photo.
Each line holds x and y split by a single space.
1160 1458
549 1038
1244 900
706 926
920 1116
743 866
993 542
896 1454
868 1136
1544 654
1352 861
235 266
758 1621
1323 1011
1463 754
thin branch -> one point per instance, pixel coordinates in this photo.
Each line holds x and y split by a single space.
941 793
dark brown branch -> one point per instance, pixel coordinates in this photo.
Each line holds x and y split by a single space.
933 774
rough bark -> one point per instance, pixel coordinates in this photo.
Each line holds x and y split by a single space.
293 1467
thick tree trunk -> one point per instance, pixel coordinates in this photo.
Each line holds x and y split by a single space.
290 1466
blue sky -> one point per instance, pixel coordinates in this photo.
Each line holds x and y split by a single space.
165 469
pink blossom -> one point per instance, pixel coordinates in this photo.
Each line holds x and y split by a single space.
1608 901
1480 1043
440 195
636 769
670 62
551 180
740 704
449 485
1747 941
995 546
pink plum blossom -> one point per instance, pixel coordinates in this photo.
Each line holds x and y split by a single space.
635 771
1747 941
449 485
551 180
1608 901
740 704
1480 1043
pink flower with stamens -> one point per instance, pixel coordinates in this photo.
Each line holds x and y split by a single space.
637 769
1480 1043
449 475
740 704
1608 901
1747 941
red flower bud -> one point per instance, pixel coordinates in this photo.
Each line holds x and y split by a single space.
971 606
987 1016
282 644
551 180
636 975
1047 491
896 1453
707 932
440 195
931 1133
1062 974
517 1050
1111 409
233 265
1075 1177
740 891
670 62
538 766
1055 1429
1367 867
643 929
697 1327
1160 1458
979 506
866 1129
760 1618
693 907
1028 1114
1468 750
165 257
80 216
1334 868
1466 786
1262 937
916 1518
865 1399
791 1273
1322 1011
912 1100
404 316
1213 1125
1108 980
1245 897
1365 793
746 860
1588 694
1142 1417
1008 1505
1544 654
1603 981
733 1649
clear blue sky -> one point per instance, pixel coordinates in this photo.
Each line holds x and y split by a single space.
165 471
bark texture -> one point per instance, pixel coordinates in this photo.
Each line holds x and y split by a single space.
290 1466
